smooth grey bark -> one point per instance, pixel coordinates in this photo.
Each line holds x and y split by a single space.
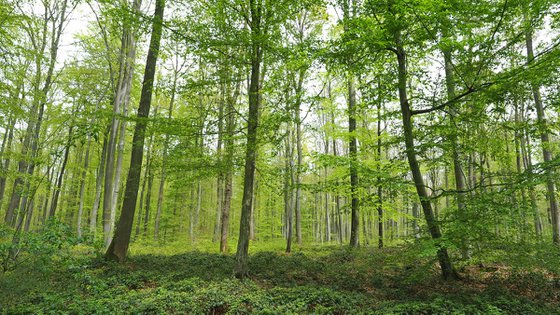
299 151
228 179
353 154
6 147
29 216
379 186
58 186
141 205
225 212
149 178
327 205
219 157
191 212
288 184
118 166
119 245
254 207
519 168
526 153
458 173
448 272
127 56
98 189
545 143
198 207
348 11
159 208
50 176
148 197
82 185
337 208
256 25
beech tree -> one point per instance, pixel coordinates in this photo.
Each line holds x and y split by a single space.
119 245
430 124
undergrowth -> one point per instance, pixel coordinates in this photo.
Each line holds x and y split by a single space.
333 279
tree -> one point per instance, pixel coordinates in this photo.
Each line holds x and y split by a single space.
117 127
256 18
544 135
119 245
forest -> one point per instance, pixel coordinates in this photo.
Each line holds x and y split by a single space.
279 157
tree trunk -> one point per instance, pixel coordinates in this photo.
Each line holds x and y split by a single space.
254 207
241 268
545 142
57 189
379 187
148 197
299 151
220 177
198 208
327 205
528 165
118 167
288 193
81 197
228 180
159 208
353 153
141 206
6 146
98 189
225 213
50 176
122 97
149 178
119 245
457 169
447 269
348 11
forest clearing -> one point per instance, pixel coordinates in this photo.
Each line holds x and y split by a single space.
279 157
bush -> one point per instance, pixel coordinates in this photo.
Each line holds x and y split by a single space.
38 249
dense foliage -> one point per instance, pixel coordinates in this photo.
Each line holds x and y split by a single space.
421 134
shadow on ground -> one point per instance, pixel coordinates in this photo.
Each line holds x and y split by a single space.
343 281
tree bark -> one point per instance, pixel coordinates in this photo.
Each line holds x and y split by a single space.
159 208
460 185
58 188
545 143
447 269
228 180
119 245
141 206
98 189
288 193
219 157
6 146
528 165
121 100
241 257
379 186
353 154
299 151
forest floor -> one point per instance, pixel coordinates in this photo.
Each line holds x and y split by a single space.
312 280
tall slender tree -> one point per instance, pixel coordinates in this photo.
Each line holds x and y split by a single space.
119 245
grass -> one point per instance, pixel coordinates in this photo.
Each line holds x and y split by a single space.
187 279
